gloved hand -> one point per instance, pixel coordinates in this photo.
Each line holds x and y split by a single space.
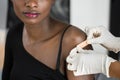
100 35
83 62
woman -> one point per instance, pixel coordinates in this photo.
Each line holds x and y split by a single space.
37 48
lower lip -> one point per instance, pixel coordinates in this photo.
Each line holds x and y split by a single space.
31 15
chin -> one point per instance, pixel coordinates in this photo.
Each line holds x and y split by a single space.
31 22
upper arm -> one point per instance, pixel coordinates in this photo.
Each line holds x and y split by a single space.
115 69
73 37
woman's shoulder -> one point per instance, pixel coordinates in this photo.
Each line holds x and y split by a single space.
74 35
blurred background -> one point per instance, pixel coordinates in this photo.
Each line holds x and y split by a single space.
80 13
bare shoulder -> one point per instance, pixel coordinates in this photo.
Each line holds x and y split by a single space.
75 34
72 37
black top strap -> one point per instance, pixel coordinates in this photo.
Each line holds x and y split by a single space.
60 48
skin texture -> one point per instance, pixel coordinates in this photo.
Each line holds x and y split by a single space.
115 69
41 35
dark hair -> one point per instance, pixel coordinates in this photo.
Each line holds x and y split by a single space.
9 3
60 10
12 19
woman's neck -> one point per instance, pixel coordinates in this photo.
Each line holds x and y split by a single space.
39 31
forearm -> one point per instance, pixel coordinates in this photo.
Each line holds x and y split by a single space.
115 69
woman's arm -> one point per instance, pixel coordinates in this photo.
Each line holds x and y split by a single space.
84 62
115 69
71 39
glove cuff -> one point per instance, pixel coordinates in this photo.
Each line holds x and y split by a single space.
109 60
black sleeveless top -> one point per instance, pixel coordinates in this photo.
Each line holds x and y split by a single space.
19 65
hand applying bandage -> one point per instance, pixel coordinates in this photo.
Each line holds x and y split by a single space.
84 62
100 35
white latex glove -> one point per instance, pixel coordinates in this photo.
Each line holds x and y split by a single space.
100 35
88 62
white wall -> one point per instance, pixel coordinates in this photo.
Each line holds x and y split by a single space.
90 13
3 18
3 10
